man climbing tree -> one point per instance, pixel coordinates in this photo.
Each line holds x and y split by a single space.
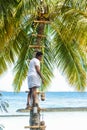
34 78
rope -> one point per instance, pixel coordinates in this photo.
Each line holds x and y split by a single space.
42 66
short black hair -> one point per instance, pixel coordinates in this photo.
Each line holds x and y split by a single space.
39 53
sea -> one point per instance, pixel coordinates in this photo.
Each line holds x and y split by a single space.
18 101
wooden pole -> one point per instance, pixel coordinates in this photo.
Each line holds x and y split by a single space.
34 127
34 119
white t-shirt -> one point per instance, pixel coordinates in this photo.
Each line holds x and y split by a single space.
32 70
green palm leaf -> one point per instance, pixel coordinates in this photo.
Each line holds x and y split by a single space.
69 61
65 38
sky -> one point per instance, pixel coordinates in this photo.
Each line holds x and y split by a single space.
58 83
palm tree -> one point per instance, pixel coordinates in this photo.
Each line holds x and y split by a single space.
3 107
63 35
1 127
3 104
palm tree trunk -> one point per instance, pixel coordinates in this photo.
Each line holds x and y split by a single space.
42 11
40 31
34 119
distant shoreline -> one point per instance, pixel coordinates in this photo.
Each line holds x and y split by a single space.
62 109
65 109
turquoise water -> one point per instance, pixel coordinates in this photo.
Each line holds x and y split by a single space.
53 100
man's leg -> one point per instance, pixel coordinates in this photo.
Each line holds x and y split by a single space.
34 95
29 97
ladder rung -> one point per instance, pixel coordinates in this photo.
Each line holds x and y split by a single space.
36 46
41 21
38 35
33 127
41 109
38 92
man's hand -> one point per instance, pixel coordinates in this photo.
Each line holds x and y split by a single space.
43 81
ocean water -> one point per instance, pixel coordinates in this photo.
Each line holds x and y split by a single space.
60 120
53 100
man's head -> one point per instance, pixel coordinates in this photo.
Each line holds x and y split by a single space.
39 55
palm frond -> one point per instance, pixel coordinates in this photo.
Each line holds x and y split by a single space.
68 59
3 104
1 127
3 65
65 38
21 67
21 70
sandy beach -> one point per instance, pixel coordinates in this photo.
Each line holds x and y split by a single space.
53 120
68 112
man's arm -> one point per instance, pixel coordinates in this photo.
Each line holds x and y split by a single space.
38 71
